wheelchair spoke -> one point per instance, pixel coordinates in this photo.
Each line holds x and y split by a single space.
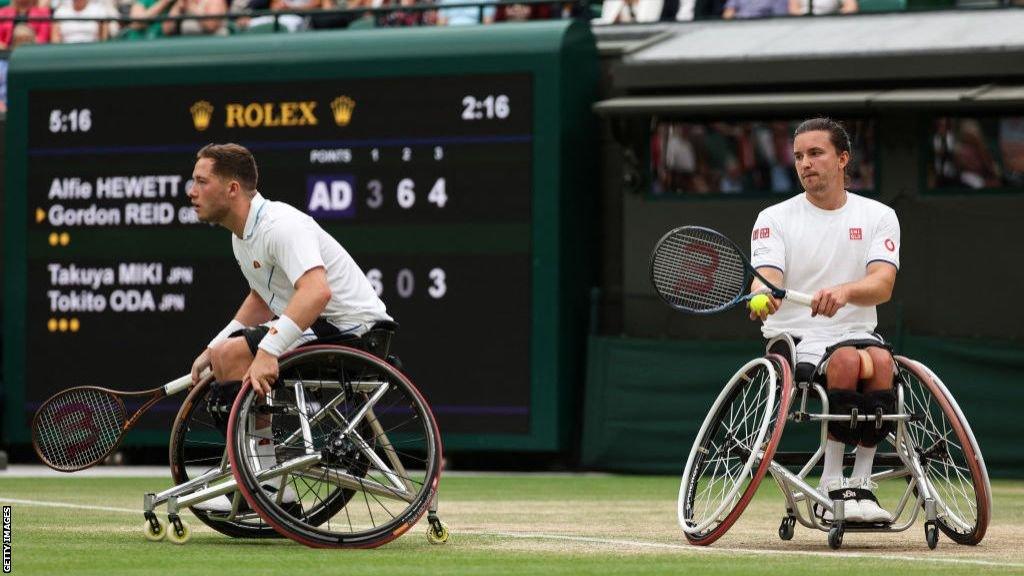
726 461
936 441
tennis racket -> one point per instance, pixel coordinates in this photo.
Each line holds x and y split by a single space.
78 427
700 271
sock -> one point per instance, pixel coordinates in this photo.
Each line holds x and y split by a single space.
864 461
833 461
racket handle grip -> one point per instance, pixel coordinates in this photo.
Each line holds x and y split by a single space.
177 385
798 297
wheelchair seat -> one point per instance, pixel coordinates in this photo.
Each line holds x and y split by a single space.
376 340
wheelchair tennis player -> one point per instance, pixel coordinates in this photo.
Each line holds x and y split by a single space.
828 236
303 285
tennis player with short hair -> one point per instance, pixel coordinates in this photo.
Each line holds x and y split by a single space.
303 284
843 248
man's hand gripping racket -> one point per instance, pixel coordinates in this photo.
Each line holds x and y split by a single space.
700 271
78 427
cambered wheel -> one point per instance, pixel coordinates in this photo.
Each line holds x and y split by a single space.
734 448
942 440
345 425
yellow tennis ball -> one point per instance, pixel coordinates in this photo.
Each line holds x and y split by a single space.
759 304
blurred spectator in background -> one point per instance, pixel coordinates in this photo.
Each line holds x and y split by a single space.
625 11
22 34
147 9
685 10
818 7
208 26
755 8
524 12
407 17
1011 148
18 12
295 20
962 156
463 16
80 31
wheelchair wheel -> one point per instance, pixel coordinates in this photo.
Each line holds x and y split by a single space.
734 448
198 447
349 429
948 453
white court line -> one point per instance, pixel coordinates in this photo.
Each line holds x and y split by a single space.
756 551
616 542
68 505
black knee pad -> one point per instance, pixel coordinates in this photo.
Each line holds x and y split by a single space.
881 401
844 402
219 402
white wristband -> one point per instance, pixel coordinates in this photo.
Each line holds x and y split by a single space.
282 335
231 328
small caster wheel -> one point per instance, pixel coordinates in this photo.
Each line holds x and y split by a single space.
786 528
437 533
835 537
154 530
931 534
178 532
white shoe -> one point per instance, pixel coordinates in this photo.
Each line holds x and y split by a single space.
220 504
870 510
840 490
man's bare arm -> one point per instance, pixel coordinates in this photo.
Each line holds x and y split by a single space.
312 293
873 289
253 311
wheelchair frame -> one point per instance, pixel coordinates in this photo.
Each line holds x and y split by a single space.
222 479
800 497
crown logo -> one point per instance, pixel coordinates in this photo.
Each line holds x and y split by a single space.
342 107
201 111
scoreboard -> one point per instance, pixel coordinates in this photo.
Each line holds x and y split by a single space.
444 180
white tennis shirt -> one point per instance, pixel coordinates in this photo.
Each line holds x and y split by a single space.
817 249
280 244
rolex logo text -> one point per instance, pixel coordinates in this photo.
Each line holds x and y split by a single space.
270 114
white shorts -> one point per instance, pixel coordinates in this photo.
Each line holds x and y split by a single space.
812 348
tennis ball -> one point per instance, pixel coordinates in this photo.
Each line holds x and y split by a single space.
759 304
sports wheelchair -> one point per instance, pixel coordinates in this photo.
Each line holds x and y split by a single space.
350 438
933 451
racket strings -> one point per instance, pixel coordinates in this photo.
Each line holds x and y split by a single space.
698 270
78 428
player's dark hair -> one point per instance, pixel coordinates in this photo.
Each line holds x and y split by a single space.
836 132
232 162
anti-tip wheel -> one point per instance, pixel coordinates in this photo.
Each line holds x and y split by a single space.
154 533
835 537
931 535
786 528
175 537
438 533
